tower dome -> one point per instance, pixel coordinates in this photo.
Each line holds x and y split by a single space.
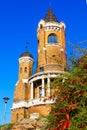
25 57
26 54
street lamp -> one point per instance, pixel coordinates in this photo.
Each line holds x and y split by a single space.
6 101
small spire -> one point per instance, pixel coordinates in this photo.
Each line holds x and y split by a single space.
50 16
27 43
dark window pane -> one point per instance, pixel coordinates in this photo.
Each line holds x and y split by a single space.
25 69
52 39
41 69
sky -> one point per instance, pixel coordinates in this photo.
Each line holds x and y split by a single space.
18 24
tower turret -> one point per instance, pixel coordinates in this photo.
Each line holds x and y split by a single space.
25 65
22 88
51 44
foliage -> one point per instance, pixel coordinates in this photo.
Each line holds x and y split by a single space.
6 127
70 110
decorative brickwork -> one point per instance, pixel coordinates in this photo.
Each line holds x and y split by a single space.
42 109
19 114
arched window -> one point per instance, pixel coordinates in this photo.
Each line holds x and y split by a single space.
17 117
52 39
25 69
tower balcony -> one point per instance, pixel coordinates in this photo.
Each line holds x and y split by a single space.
34 102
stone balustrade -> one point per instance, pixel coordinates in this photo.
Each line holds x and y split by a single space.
34 102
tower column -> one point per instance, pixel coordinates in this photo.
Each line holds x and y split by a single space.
32 90
43 87
48 85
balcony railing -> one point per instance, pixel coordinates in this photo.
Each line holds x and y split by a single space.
34 102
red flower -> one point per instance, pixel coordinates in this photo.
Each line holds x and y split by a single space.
63 110
54 129
73 106
56 114
64 125
60 122
67 116
68 124
80 93
69 109
85 66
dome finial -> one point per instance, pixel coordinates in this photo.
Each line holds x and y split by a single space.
49 4
27 43
26 53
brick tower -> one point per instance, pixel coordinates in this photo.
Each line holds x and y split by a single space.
33 93
22 88
51 44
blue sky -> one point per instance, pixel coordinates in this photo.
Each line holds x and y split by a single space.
18 24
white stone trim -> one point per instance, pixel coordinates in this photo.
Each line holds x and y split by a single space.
38 50
52 44
25 59
51 26
63 24
34 115
61 49
44 48
32 90
25 80
45 74
20 104
34 102
16 83
43 87
48 85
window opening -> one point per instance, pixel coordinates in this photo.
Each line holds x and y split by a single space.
41 69
17 116
25 69
52 39
53 56
40 91
41 26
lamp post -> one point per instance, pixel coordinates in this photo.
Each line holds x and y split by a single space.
5 101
